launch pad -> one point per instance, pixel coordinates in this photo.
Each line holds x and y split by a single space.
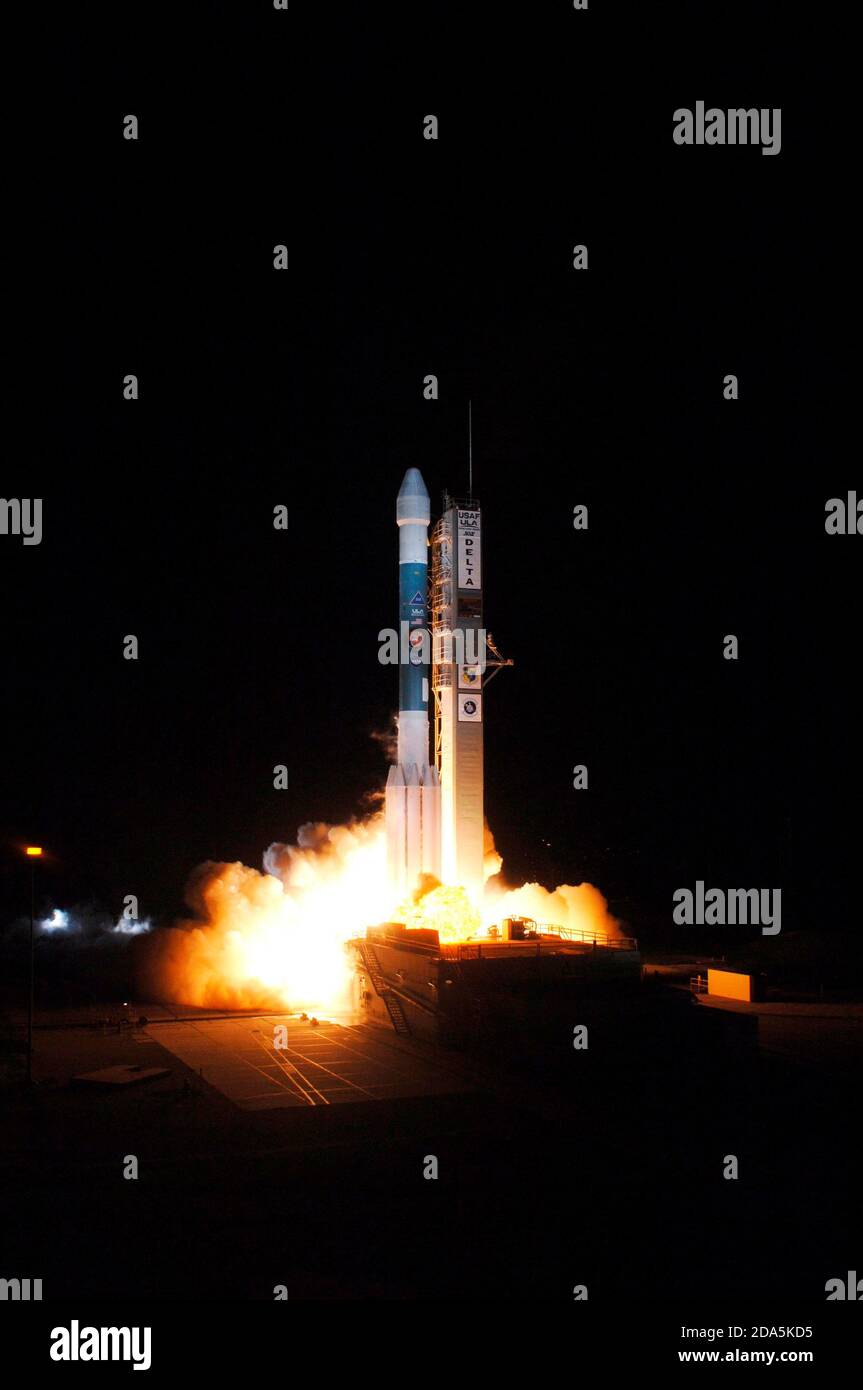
528 975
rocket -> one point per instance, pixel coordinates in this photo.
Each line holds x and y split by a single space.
413 799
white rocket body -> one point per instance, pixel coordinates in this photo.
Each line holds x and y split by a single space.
413 809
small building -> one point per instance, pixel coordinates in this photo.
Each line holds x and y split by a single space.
733 984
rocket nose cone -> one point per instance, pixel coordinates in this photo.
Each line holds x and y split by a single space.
413 503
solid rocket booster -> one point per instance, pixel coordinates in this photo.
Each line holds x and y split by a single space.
413 786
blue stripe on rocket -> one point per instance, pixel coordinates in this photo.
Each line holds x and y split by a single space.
413 586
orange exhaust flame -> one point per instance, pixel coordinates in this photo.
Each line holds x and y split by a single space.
276 939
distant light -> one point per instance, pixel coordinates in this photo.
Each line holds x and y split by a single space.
130 926
58 921
34 851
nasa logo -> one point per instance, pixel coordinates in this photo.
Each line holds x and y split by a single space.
417 640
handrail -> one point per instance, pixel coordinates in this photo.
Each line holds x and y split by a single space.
545 936
596 938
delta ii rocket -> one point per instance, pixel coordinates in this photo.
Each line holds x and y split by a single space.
434 805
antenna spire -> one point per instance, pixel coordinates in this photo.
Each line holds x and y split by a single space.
470 449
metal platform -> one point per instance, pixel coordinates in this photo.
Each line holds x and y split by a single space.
326 1064
411 981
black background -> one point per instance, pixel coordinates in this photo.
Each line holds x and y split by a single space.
304 387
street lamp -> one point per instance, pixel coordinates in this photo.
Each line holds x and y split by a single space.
33 852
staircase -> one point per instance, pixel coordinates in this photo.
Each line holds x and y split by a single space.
392 1002
396 1013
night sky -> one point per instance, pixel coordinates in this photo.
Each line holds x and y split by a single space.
304 388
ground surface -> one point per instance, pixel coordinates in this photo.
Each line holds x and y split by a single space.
555 1167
